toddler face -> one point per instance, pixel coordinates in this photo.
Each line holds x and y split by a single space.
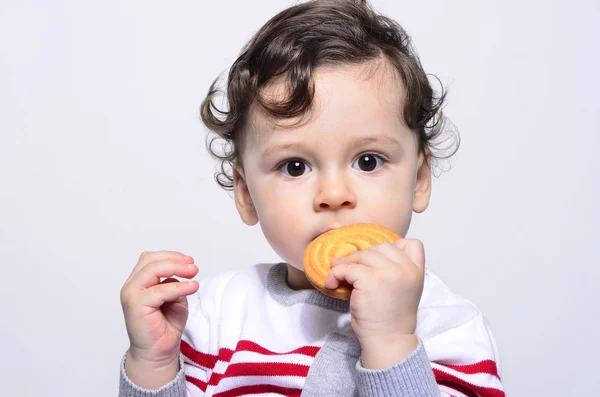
352 161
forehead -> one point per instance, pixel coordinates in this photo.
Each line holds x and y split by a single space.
359 99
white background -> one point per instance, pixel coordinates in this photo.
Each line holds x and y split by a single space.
102 157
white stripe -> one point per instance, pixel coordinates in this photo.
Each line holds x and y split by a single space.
478 379
193 390
210 390
196 372
229 383
448 391
263 394
221 367
252 357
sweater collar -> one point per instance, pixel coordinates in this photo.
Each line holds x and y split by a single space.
281 292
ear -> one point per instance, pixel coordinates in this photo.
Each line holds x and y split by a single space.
422 184
243 200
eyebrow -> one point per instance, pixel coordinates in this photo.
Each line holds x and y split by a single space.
366 140
377 139
274 149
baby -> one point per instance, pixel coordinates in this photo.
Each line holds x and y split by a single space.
331 121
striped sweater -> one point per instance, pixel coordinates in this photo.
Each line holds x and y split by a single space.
248 333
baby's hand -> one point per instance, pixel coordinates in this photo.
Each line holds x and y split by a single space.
387 282
155 315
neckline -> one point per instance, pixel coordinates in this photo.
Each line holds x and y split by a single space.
281 292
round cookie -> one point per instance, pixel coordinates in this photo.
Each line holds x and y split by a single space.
337 243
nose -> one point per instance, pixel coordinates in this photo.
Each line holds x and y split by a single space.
334 194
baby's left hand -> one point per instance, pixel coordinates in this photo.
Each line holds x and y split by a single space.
387 282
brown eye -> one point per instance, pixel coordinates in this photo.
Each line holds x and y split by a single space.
294 168
368 162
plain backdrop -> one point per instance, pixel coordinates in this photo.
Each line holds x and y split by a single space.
102 157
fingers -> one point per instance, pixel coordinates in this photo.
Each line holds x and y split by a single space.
390 251
357 265
367 257
414 250
403 251
151 274
144 285
168 291
152 256
348 272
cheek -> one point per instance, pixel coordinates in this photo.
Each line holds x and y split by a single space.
285 225
390 205
286 239
279 209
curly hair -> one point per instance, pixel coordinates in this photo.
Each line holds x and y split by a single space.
290 46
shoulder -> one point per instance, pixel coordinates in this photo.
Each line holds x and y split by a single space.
453 328
440 309
436 292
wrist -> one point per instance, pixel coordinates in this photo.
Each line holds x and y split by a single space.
151 375
380 352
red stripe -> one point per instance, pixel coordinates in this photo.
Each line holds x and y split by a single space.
259 369
266 369
259 389
462 389
482 367
202 359
246 345
195 381
209 360
455 382
225 354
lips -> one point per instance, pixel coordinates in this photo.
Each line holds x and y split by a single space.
325 231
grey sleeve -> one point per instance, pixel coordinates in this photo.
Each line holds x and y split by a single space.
176 388
411 377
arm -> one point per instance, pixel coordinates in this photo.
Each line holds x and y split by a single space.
197 357
395 301
155 315
190 379
460 361
175 388
410 377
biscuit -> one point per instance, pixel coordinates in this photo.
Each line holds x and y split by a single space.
337 243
